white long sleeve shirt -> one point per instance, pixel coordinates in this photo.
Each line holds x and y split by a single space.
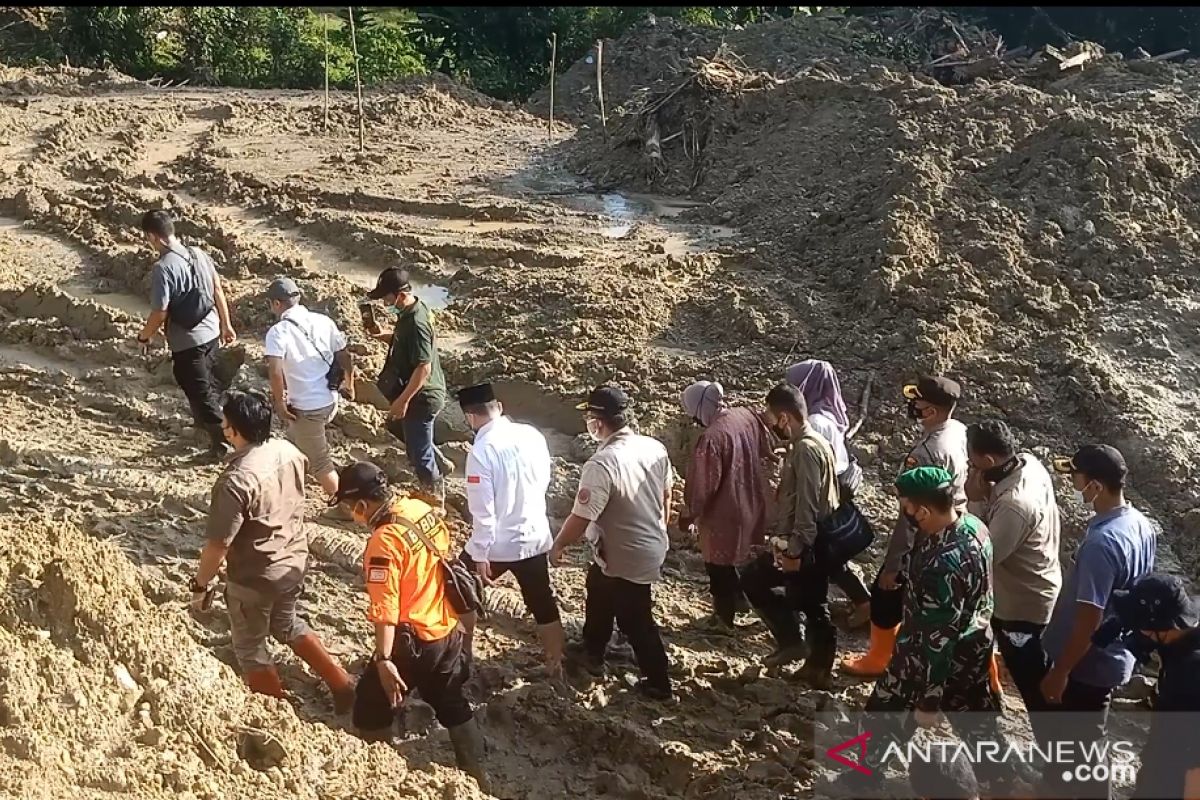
508 474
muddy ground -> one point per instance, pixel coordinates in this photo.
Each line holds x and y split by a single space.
874 219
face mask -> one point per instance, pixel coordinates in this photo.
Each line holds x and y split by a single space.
913 521
593 429
914 412
1081 498
997 474
781 430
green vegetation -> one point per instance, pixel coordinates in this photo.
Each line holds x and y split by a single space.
503 51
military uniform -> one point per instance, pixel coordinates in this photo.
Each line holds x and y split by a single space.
945 645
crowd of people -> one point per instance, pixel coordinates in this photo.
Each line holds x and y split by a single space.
971 566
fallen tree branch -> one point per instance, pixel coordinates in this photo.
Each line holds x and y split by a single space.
864 404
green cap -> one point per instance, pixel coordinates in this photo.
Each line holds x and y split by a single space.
923 481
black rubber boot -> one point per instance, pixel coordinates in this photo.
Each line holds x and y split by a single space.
817 671
218 447
469 752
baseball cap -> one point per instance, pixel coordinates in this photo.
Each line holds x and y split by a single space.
1156 602
282 289
608 400
476 395
942 392
357 481
923 481
1101 462
392 280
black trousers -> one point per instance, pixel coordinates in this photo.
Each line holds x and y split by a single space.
611 599
887 605
194 372
1082 719
725 588
806 590
533 577
1026 661
845 579
437 670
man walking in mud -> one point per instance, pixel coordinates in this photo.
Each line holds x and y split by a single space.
256 527
622 506
508 475
419 643
308 363
808 496
943 443
412 378
726 493
187 297
1014 496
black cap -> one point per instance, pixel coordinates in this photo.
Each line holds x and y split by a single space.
282 289
392 280
476 395
1097 461
1156 602
357 481
941 392
607 400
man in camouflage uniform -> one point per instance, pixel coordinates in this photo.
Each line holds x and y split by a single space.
943 443
945 647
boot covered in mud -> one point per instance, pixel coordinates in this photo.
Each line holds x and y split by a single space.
554 641
817 671
341 685
470 750
265 681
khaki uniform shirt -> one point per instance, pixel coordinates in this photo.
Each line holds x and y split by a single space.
257 510
622 493
944 446
808 489
1022 515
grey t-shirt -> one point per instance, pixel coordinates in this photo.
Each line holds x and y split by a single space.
173 276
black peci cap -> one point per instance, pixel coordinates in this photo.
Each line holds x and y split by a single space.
392 280
1156 602
476 395
607 400
1101 462
357 481
942 392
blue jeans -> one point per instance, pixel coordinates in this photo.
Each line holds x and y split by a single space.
416 431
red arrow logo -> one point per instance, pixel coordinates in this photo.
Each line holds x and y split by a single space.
861 740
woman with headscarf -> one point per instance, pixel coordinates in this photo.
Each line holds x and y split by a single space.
727 491
818 382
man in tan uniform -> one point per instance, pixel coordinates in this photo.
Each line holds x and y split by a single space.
808 496
1013 493
622 506
943 443
256 525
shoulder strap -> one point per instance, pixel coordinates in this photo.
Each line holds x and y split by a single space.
307 335
416 530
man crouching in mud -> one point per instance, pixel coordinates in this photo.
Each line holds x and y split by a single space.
419 642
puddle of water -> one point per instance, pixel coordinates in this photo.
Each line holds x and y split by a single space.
13 355
133 305
678 244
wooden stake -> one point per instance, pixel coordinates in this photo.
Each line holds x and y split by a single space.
325 31
362 125
553 63
600 84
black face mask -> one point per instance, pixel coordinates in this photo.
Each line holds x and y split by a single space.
914 412
781 431
1141 646
913 521
999 473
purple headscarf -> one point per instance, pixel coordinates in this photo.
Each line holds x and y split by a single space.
819 383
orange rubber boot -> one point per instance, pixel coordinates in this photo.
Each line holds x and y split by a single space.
264 680
313 652
994 677
874 662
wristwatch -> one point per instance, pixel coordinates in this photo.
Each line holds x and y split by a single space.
196 588
141 340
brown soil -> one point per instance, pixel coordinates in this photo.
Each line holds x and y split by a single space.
1035 241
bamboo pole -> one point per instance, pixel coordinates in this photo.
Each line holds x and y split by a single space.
600 84
553 62
325 31
362 125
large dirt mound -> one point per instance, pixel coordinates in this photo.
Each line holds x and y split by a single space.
1036 237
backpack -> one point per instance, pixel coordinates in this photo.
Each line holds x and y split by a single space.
189 309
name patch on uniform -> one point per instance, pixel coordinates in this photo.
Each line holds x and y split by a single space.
377 575
584 496
473 479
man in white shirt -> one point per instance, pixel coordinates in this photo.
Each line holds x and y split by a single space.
508 474
302 348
